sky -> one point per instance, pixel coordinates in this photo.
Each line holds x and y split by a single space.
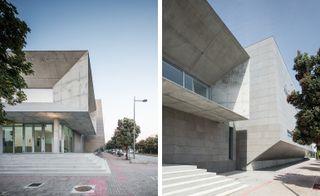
294 24
121 37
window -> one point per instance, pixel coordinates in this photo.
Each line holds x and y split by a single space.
188 82
172 73
200 88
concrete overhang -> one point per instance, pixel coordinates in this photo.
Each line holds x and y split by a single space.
196 40
179 98
79 121
283 150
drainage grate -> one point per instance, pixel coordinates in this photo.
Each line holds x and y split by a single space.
34 185
83 189
316 186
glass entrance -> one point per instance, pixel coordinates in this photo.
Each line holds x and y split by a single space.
28 138
7 139
18 138
48 137
37 138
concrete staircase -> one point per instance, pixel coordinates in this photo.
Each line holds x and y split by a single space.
188 180
45 164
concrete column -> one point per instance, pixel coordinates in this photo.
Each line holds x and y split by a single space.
61 139
55 143
1 140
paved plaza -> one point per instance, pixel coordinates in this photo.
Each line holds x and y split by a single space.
289 180
125 179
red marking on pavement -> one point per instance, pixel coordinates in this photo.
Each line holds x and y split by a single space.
101 186
256 188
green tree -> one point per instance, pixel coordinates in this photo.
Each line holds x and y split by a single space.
140 146
13 64
151 145
307 101
123 135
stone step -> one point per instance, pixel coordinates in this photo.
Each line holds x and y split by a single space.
167 181
169 168
202 188
181 185
55 173
49 164
186 180
182 173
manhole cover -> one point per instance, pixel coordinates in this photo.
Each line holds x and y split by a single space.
316 186
83 189
34 185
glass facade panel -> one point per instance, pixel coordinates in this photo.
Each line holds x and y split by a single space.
48 137
68 139
28 138
37 138
18 138
7 139
200 88
188 82
178 76
172 73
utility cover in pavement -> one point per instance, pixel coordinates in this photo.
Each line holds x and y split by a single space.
83 189
34 185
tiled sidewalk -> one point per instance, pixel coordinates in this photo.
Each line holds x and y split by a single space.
125 179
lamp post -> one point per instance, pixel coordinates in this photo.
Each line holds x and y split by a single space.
134 125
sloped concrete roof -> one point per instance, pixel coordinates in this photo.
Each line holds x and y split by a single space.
50 66
196 40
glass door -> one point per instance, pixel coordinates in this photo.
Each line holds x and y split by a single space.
7 139
48 137
18 138
37 138
28 138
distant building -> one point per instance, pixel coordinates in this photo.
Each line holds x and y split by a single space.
224 106
61 113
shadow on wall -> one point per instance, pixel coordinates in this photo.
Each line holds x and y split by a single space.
241 149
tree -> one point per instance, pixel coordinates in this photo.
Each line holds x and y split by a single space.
307 101
123 135
13 64
149 145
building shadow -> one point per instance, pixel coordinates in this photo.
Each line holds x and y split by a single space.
311 168
296 179
283 166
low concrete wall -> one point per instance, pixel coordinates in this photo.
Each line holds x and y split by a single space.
193 140
270 163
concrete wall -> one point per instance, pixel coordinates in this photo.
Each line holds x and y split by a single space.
233 90
93 142
72 89
270 115
189 139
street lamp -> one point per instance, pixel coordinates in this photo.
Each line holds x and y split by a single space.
134 125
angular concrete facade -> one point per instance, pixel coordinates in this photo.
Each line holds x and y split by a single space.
60 111
268 138
224 107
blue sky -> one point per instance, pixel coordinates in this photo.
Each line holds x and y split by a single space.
121 37
294 24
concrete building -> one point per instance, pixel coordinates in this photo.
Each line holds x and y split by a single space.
224 106
61 113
